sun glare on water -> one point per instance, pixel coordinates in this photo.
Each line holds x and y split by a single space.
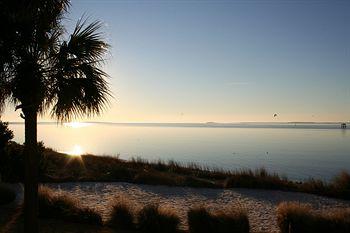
76 124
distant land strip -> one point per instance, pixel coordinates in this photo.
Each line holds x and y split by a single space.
300 125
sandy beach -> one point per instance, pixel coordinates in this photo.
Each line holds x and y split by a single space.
259 204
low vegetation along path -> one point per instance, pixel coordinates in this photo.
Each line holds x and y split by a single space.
259 204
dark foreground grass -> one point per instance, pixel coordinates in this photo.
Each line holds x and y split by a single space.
200 220
56 226
154 219
297 218
64 207
122 216
57 207
7 195
151 218
58 167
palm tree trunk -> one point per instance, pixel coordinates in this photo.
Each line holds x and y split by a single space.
31 172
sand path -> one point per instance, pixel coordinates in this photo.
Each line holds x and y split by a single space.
259 204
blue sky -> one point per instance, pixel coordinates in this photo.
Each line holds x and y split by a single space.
224 61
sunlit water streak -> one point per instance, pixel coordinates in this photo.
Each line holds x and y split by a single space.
298 151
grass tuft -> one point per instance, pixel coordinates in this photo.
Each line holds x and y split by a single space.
154 219
123 215
295 218
59 206
200 220
259 178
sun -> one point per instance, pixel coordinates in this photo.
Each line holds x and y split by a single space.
76 124
76 151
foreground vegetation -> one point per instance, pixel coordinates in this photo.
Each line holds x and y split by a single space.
152 218
127 216
201 220
61 206
295 218
132 217
58 167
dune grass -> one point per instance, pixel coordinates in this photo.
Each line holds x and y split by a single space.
57 207
339 187
295 218
151 218
201 220
7 195
64 207
154 219
260 178
123 214
59 167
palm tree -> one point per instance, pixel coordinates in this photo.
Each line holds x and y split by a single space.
43 71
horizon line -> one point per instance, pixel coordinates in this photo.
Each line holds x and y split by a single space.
207 123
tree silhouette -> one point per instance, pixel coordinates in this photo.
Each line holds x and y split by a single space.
43 70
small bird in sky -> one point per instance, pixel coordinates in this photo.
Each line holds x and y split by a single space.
275 115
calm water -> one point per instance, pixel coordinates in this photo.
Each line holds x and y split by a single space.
296 150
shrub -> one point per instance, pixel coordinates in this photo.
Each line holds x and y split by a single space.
259 178
231 221
341 185
123 215
154 219
158 178
63 207
121 173
313 186
200 220
6 195
199 183
296 218
5 136
12 162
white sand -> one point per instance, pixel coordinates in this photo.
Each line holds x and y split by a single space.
259 204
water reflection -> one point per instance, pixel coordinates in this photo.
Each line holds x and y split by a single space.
297 153
343 132
76 124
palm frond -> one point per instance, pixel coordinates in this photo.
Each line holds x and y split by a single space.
80 87
42 69
86 43
83 95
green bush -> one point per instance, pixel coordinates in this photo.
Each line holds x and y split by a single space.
200 220
153 219
297 218
6 195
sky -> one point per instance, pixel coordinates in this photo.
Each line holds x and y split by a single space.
223 61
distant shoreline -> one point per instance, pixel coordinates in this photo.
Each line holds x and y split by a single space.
290 125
